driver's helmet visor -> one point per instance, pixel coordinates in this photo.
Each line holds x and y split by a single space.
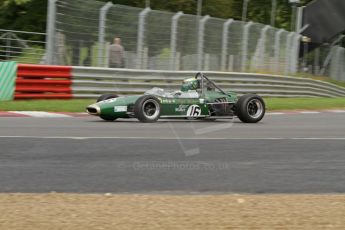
190 84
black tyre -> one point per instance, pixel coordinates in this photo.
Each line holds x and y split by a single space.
147 109
106 97
103 98
250 108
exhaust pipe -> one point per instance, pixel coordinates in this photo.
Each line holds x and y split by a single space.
93 110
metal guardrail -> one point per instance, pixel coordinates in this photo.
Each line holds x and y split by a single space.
90 82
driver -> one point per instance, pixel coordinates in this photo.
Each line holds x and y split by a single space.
190 84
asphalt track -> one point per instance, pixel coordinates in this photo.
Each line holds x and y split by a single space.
300 153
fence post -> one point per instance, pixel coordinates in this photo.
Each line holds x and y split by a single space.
245 46
226 26
288 53
277 50
8 46
341 65
330 54
231 63
173 39
299 19
202 23
101 31
141 31
295 53
316 61
262 48
50 38
334 62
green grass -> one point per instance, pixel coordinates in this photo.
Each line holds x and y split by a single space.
78 105
32 55
74 105
304 103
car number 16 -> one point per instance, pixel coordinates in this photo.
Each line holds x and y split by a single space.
194 111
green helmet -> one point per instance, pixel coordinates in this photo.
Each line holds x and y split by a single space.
190 84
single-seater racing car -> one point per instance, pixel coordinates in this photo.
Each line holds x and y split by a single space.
198 98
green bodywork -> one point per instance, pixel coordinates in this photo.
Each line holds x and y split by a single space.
170 107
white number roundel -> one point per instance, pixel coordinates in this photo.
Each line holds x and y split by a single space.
193 111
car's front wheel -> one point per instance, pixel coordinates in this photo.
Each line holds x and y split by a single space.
250 108
103 98
147 109
106 97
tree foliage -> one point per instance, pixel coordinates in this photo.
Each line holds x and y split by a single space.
27 15
5 3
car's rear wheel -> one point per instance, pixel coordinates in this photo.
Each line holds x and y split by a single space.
106 97
250 108
147 109
103 98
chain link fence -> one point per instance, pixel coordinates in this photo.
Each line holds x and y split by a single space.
82 32
22 46
326 60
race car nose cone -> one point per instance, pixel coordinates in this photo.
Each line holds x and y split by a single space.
93 110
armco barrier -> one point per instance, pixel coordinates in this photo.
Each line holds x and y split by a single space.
43 82
90 82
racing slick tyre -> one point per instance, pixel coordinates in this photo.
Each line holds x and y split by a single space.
147 109
103 98
106 97
250 108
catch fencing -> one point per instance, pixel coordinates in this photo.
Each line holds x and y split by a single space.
22 46
80 32
327 60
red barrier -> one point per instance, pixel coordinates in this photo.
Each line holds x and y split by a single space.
43 74
38 96
56 68
43 89
43 82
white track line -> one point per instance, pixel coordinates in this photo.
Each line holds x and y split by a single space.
309 112
336 111
40 114
171 138
275 113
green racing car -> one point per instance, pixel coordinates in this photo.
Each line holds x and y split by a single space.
198 98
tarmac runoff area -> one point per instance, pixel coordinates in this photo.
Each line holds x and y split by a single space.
287 171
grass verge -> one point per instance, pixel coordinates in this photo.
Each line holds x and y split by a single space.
304 103
78 105
73 105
